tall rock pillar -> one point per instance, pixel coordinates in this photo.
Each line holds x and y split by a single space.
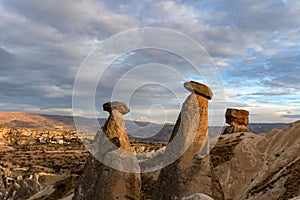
101 182
190 175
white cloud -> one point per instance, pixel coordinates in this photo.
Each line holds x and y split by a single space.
255 44
53 91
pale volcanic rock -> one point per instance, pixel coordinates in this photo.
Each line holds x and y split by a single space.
198 196
114 128
199 88
250 166
99 181
183 177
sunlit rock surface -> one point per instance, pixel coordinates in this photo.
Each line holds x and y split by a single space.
190 173
266 166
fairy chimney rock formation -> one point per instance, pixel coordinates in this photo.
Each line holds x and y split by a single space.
191 173
237 119
101 182
114 128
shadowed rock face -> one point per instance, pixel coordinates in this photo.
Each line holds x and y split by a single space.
235 129
265 166
103 182
17 189
189 174
243 166
26 188
237 119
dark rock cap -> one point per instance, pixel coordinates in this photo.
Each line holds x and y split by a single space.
236 117
199 89
116 105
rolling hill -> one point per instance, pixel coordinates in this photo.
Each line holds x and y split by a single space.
135 129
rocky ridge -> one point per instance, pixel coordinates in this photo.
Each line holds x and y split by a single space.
266 166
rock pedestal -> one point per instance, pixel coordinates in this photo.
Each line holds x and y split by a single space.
237 119
103 182
190 174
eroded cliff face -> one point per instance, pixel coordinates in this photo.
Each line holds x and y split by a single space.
266 166
241 166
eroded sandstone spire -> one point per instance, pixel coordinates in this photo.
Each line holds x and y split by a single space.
190 174
114 128
104 182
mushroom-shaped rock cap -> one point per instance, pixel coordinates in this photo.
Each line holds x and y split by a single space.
199 89
236 117
116 105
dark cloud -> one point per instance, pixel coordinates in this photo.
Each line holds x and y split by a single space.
254 43
291 116
31 83
73 17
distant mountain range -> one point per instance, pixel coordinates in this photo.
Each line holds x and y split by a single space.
143 131
33 120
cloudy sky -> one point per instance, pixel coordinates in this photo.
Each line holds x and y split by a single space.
254 47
